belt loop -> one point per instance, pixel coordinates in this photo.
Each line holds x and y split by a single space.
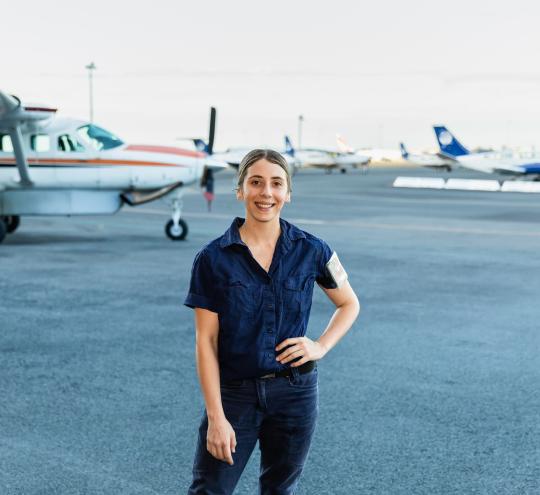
295 372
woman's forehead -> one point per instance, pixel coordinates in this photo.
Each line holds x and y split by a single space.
264 168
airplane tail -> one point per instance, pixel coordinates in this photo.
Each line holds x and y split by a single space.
200 145
343 146
289 148
448 144
404 152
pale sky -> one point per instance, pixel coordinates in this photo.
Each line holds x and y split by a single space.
374 72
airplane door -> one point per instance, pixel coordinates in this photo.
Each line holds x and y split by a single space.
75 166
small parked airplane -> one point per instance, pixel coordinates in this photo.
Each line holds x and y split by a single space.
327 159
488 162
63 166
427 159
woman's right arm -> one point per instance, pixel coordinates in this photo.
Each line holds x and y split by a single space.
220 438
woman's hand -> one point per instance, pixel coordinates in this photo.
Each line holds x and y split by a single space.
300 347
221 440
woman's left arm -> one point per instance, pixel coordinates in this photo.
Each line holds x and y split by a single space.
347 310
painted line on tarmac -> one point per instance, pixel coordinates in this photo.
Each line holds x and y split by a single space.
367 225
475 202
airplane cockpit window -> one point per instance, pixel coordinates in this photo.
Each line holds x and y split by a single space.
5 143
99 137
40 142
68 143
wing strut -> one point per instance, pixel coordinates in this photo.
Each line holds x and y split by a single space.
18 148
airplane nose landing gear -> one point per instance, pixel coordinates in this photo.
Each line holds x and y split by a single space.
12 223
176 228
176 232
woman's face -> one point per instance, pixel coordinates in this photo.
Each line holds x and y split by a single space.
264 191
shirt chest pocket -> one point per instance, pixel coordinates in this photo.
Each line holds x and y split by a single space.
296 293
241 299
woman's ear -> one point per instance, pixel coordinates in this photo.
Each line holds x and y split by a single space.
239 194
288 198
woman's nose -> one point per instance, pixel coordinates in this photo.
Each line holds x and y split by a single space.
267 190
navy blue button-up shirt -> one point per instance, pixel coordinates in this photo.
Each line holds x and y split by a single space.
257 309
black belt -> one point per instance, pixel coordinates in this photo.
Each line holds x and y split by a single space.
303 369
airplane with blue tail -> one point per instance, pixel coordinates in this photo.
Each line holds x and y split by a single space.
524 165
328 159
427 159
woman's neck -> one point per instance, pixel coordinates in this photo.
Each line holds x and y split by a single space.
259 233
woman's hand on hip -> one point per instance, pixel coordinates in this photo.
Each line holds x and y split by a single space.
221 440
300 348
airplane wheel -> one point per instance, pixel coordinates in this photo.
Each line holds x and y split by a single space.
3 230
176 233
343 170
12 223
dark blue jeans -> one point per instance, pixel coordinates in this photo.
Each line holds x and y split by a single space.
279 412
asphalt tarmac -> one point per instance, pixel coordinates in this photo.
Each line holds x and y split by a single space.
435 390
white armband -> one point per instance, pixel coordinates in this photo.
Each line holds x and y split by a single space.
336 271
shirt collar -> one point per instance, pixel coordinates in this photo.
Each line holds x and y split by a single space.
289 233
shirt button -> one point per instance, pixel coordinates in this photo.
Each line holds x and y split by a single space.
270 330
269 355
269 306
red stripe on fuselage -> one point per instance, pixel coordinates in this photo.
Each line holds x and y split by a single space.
165 149
58 162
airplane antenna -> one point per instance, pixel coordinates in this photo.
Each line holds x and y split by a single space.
91 67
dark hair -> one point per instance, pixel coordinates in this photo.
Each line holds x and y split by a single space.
259 154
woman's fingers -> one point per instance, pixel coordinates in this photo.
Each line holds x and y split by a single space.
293 354
300 362
287 352
220 442
233 442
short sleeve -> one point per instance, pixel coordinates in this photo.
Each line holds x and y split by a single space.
201 286
323 277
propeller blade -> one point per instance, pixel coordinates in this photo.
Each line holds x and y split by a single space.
212 130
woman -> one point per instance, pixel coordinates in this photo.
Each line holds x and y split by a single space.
251 289
207 182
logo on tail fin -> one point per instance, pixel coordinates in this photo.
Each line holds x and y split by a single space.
445 138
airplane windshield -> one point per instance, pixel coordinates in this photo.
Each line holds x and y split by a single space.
98 137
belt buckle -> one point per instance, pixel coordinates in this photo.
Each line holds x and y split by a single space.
270 375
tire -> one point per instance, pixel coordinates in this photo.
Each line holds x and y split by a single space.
12 223
176 234
3 230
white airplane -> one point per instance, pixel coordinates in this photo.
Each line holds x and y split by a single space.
63 166
325 158
356 157
233 156
427 159
488 162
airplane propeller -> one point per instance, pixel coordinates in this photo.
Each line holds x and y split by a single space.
211 130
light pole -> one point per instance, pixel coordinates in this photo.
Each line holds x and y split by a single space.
91 67
300 121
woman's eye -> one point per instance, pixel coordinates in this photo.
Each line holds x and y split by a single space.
278 184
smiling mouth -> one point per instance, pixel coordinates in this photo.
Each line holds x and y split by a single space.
264 206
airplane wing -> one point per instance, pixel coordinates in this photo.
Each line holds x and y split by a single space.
509 170
445 156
